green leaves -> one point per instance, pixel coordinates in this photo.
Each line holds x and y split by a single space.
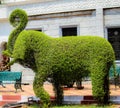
18 19
66 59
63 59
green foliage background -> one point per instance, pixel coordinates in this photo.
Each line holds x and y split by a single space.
64 59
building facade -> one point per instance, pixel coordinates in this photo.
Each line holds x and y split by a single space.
67 17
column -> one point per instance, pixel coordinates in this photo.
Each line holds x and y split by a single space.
100 22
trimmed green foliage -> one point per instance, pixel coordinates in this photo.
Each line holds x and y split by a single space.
76 106
64 59
82 106
18 19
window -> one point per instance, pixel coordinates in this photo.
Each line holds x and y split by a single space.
69 31
114 39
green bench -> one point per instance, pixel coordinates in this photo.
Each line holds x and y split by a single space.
8 77
115 79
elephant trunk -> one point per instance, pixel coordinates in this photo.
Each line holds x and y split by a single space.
18 19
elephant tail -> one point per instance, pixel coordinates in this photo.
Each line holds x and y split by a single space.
18 19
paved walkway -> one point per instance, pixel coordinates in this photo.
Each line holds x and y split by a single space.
86 91
10 90
28 90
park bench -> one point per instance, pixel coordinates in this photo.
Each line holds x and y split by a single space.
115 79
8 77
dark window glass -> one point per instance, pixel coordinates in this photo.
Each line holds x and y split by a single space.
71 31
114 39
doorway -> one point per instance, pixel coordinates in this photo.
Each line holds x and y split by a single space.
114 39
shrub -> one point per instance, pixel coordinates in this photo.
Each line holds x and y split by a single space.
64 59
18 19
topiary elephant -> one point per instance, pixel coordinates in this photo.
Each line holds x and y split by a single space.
62 59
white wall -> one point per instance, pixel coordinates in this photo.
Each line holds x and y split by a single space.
86 25
55 6
111 19
5 29
3 11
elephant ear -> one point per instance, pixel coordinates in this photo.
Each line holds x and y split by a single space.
18 19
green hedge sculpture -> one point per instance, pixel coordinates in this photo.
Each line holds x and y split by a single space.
62 59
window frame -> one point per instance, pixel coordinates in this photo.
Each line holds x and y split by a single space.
69 26
106 36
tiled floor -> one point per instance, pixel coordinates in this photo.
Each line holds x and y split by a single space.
86 91
10 90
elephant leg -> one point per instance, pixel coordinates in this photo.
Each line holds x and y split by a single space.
79 84
100 82
40 92
58 92
106 83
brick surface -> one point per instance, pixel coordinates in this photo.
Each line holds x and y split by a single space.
71 95
11 97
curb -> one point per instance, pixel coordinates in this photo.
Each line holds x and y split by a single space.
66 100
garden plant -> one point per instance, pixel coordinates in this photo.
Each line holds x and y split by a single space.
63 59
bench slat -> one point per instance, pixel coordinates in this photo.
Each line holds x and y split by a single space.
10 76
